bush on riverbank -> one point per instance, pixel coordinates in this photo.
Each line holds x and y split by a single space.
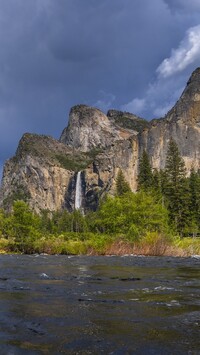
126 224
105 245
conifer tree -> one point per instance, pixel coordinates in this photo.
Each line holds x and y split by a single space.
145 177
176 188
157 185
194 185
122 185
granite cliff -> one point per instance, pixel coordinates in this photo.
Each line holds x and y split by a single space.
44 171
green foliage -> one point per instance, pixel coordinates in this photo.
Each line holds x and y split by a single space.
155 243
75 163
175 167
136 124
64 221
166 202
194 206
131 215
58 245
99 243
190 246
122 185
46 223
157 183
152 238
145 177
22 225
176 189
2 221
21 193
92 154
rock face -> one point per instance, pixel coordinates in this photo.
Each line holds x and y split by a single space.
182 123
36 175
44 171
89 128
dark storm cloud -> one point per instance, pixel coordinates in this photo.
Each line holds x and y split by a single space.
119 53
179 5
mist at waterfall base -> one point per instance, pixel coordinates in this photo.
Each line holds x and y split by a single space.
99 305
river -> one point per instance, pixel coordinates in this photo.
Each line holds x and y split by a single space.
99 305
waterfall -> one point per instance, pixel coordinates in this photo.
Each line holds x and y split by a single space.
78 192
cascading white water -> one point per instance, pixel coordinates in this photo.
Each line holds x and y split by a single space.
78 192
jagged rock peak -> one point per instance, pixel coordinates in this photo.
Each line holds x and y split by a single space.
195 77
88 128
187 108
192 89
84 111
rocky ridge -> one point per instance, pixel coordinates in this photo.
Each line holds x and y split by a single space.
43 171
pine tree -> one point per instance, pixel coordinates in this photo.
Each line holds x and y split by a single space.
156 189
176 189
194 185
145 177
122 185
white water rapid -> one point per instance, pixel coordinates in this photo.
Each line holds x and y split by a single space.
78 194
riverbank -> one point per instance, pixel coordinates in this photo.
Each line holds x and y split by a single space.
131 224
153 244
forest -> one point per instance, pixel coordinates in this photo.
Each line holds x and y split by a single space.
161 218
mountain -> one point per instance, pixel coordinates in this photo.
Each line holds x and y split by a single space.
44 171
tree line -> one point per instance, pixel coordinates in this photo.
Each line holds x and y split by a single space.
179 193
167 202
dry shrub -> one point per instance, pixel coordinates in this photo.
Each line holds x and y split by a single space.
153 244
120 247
93 252
172 250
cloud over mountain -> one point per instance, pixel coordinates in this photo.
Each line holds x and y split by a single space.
187 53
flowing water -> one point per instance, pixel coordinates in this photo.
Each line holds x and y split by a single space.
99 305
78 195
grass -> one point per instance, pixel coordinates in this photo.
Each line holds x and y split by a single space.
74 163
136 124
153 244
77 161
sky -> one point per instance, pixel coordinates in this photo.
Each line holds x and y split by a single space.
130 55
